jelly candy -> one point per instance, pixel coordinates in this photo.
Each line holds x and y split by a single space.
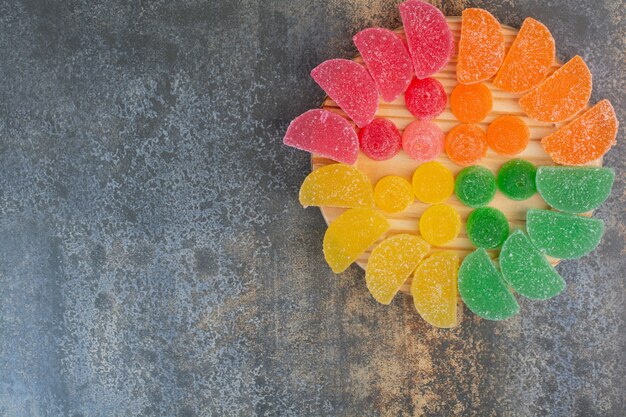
434 289
423 140
483 288
487 227
387 60
425 98
475 186
440 224
574 189
586 138
561 95
471 103
429 38
563 235
516 179
508 135
481 47
527 270
391 263
324 133
466 144
350 234
393 194
380 140
433 183
337 185
350 86
529 59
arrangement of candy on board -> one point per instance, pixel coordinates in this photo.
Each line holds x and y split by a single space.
395 66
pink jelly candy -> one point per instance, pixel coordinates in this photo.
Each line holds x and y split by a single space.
350 86
426 98
325 133
380 140
423 140
387 60
430 41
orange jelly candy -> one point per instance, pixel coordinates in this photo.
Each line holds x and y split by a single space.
471 103
481 47
466 144
508 135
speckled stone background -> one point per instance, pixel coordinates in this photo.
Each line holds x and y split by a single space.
154 260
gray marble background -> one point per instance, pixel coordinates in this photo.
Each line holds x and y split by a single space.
154 260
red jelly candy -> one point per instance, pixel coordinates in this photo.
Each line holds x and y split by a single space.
429 38
324 133
426 98
350 86
387 60
380 140
423 140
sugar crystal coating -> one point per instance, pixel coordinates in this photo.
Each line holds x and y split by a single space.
487 227
423 140
471 103
391 263
337 185
475 186
425 98
393 194
440 224
508 135
380 140
563 235
433 183
466 144
516 179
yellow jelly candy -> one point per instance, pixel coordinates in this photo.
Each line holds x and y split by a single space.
391 263
434 289
350 234
440 224
393 194
433 183
337 185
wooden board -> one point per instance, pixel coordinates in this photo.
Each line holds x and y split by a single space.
402 165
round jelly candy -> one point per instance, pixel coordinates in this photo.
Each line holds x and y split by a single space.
433 183
393 194
426 98
466 144
475 186
508 135
380 140
440 224
471 103
423 140
487 227
516 179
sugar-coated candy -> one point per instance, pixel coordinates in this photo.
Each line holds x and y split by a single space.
434 289
324 133
387 60
574 189
586 138
487 227
471 103
481 47
475 186
393 194
337 185
423 140
350 234
561 95
440 224
433 183
425 98
380 140
516 179
508 135
391 263
483 289
350 86
563 235
429 38
466 144
529 59
527 270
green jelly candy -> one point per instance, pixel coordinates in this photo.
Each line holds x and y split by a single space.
483 288
487 227
527 270
516 179
574 189
563 235
475 186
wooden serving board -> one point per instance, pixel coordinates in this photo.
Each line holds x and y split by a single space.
503 103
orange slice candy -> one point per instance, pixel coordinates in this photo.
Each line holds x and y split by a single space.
471 103
561 95
529 59
586 138
508 135
466 144
481 47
